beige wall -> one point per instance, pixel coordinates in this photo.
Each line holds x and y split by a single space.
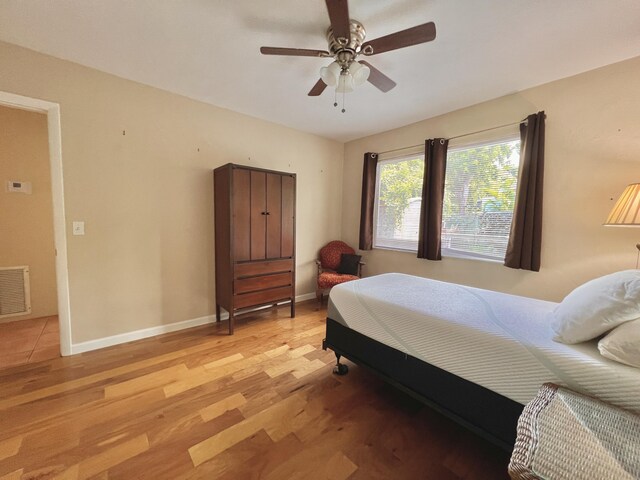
592 153
26 221
146 196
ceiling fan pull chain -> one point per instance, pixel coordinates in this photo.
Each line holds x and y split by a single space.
343 102
335 97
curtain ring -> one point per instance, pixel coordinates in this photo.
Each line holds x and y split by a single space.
373 155
442 141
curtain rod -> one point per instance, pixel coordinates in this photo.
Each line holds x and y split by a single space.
458 136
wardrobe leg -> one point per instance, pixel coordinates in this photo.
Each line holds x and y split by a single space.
217 312
293 308
231 323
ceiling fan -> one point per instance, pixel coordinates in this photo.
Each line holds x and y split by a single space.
346 42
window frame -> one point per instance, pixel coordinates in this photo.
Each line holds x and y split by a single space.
412 247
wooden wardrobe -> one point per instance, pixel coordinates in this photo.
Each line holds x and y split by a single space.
255 238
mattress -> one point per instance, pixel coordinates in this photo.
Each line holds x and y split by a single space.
499 341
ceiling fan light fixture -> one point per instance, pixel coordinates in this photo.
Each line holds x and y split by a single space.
345 42
345 83
359 72
330 74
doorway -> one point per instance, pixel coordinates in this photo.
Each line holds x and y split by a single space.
28 294
43 331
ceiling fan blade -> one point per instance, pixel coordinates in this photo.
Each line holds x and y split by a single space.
404 38
339 17
297 52
378 79
317 89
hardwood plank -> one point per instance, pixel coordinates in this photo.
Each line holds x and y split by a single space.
215 370
146 382
15 475
223 361
340 467
280 368
10 447
103 461
215 410
308 368
239 461
265 420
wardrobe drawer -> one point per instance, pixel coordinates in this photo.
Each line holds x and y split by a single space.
261 297
262 268
262 282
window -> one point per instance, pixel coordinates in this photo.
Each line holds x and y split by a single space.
398 200
479 196
480 191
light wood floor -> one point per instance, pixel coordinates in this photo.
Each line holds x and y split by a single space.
200 404
29 341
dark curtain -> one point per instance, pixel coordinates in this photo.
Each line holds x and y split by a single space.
525 239
368 198
435 167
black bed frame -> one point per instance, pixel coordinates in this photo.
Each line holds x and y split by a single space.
481 410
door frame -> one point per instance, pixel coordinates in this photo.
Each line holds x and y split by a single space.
52 110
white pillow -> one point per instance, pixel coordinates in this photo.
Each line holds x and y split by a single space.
623 344
597 306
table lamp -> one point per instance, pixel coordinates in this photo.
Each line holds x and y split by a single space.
626 211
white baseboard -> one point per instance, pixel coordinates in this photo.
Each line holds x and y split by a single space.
159 330
305 297
139 334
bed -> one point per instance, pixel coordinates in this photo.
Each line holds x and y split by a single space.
475 355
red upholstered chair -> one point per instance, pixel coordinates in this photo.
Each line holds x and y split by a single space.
328 262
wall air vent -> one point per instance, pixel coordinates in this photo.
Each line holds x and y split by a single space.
15 296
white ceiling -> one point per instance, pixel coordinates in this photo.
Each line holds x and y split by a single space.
208 50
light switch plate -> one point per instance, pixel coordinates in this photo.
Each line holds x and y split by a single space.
78 228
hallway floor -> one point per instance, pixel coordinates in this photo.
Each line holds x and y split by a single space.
27 341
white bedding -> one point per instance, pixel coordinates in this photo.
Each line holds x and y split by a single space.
502 342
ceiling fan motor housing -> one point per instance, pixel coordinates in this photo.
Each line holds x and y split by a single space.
346 50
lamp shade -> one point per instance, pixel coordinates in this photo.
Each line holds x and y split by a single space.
345 83
359 72
330 74
626 211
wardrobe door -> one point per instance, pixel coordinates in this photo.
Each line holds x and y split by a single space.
274 214
258 215
288 214
241 214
